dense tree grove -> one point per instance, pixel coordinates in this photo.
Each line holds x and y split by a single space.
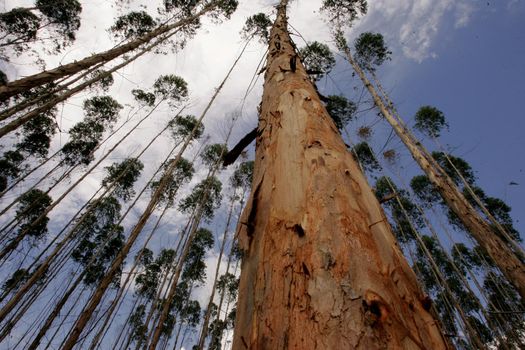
130 219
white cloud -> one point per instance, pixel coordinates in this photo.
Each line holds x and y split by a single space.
414 25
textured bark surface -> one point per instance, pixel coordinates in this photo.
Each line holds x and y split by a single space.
322 269
502 255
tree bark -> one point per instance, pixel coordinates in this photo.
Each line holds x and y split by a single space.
502 255
321 267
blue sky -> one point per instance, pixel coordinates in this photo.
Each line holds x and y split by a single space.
466 57
476 79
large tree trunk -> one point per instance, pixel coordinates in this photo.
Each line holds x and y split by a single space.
321 268
502 255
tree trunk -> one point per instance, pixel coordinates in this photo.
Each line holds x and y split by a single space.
51 75
321 267
206 321
502 255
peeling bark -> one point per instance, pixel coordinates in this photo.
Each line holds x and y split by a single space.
322 269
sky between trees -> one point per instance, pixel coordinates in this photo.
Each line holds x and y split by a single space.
464 57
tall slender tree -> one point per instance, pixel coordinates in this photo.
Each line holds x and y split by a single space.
510 261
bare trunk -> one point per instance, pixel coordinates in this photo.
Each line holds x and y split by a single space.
51 75
321 267
56 310
502 255
204 329
165 306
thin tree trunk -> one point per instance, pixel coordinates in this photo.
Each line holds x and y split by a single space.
321 267
86 314
56 311
48 76
204 329
42 268
502 255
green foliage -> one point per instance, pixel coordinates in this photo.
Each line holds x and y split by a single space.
144 98
184 126
18 277
182 174
430 121
186 6
497 208
228 285
104 83
341 110
212 154
171 88
148 281
208 194
10 167
404 213
84 137
123 176
37 134
371 51
31 206
3 78
344 12
132 25
257 25
99 239
103 109
194 266
504 299
317 59
242 176
20 22
468 301
138 328
225 8
451 164
425 190
64 14
366 157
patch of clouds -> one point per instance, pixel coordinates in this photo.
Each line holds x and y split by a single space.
414 25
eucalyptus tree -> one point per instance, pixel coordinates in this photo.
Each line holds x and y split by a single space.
430 121
98 235
182 174
238 180
31 205
341 110
10 167
462 174
214 8
309 224
122 177
227 285
42 269
204 199
341 13
317 59
469 302
22 26
257 25
241 180
366 157
100 113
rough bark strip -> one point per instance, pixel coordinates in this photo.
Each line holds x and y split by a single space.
322 269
